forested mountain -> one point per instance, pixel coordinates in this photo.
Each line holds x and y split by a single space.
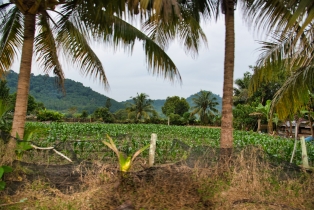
44 89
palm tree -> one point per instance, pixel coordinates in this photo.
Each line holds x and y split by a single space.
162 31
49 28
205 105
141 106
240 93
290 49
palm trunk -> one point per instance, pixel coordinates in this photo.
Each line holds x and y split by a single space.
270 126
226 141
19 117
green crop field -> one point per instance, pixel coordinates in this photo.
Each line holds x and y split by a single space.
85 139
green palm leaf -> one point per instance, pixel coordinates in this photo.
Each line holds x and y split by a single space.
11 40
46 50
77 48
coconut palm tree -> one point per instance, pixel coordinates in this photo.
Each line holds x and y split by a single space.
162 31
46 29
240 93
205 105
290 49
141 106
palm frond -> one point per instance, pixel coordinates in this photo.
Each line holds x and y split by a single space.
268 15
77 48
11 29
185 28
158 62
46 50
294 92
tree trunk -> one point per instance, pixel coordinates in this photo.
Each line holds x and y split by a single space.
270 126
258 125
226 141
19 117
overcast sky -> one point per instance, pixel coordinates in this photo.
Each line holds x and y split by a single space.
127 74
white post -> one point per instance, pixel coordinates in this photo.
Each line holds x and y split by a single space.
152 149
295 139
305 160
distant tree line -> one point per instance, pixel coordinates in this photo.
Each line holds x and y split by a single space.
137 110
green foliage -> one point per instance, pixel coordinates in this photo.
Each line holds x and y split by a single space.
21 147
103 114
175 105
108 103
4 90
141 107
32 105
205 106
84 114
44 89
242 119
72 110
139 135
5 125
4 169
49 115
121 114
241 93
176 119
190 119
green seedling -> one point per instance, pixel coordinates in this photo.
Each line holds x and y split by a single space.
4 169
125 162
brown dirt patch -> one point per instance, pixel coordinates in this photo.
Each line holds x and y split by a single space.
250 184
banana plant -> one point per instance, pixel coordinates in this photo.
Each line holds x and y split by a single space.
125 162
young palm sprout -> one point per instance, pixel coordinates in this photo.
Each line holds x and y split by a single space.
125 162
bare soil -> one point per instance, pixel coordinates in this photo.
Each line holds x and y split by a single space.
250 183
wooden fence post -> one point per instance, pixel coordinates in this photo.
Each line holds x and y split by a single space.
305 160
152 149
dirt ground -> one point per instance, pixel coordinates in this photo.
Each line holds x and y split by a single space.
250 183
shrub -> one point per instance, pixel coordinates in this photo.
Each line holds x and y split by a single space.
104 114
49 115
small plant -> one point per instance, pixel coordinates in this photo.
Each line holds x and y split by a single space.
25 144
125 162
4 169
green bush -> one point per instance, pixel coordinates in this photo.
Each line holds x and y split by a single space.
49 115
104 114
176 119
242 120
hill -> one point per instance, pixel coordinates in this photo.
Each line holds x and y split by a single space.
44 89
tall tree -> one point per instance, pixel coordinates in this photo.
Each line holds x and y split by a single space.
175 105
205 106
31 26
141 106
226 136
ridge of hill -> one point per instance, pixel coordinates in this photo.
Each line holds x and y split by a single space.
44 89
